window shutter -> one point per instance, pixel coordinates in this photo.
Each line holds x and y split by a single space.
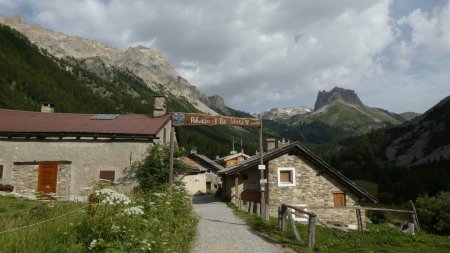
339 199
285 176
1 171
107 175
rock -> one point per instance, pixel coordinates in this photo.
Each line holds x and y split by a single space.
146 63
337 94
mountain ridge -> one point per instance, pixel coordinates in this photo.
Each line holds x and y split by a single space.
146 63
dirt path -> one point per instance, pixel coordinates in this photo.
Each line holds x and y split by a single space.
220 231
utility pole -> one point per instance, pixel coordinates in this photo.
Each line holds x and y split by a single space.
261 162
172 147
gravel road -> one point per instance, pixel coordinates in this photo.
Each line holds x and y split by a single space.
220 231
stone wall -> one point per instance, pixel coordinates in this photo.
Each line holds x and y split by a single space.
88 159
195 184
313 188
25 180
248 180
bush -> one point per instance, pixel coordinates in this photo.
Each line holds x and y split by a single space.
434 213
153 171
152 222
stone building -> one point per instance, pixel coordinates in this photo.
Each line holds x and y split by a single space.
203 173
298 177
67 153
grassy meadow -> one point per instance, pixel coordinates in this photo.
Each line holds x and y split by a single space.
377 238
151 222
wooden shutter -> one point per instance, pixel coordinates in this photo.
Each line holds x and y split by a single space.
285 176
339 199
1 171
107 175
47 176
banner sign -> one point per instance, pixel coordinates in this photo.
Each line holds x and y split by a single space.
197 119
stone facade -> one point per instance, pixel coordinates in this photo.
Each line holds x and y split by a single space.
313 188
87 159
25 180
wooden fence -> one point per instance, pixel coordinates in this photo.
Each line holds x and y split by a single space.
253 207
284 212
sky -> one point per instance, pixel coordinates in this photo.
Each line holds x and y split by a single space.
261 54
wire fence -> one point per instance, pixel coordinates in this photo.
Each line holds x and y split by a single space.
44 221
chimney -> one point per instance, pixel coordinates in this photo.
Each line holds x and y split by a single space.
194 150
47 107
159 106
271 143
283 142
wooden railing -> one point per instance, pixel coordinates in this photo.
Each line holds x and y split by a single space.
284 212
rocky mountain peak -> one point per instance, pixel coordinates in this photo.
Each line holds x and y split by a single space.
146 63
337 94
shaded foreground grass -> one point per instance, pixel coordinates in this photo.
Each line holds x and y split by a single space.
166 224
378 238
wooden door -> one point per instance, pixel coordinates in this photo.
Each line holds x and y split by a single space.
48 173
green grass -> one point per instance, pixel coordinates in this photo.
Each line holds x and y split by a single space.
53 236
378 238
167 224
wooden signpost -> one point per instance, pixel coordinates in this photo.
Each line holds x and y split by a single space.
198 119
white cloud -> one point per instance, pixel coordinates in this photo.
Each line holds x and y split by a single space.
259 54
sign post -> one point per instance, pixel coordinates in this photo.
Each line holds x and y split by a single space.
197 119
261 165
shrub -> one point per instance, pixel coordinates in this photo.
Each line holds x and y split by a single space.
152 222
153 171
434 213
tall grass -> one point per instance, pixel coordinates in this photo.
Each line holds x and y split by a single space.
53 236
165 223
378 238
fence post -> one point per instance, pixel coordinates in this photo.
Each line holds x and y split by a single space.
251 207
311 231
266 212
240 204
279 218
258 208
92 204
291 219
414 216
359 219
284 218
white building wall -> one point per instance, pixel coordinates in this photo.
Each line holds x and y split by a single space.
87 158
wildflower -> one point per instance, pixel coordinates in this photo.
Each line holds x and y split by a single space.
115 228
135 210
159 194
92 244
167 203
111 197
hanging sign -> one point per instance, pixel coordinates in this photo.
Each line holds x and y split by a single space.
197 119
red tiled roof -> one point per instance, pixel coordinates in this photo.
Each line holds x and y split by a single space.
12 121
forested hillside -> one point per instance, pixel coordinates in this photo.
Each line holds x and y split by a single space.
404 161
29 76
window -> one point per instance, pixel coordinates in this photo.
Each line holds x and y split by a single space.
339 199
286 177
1 171
107 175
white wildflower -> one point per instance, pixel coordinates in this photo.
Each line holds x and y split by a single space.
135 210
92 244
159 194
115 228
111 197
